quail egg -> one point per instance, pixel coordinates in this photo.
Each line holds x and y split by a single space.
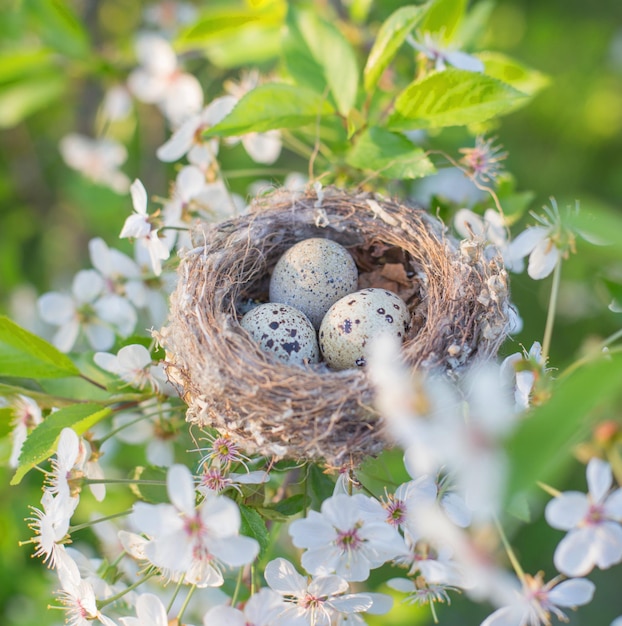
353 321
312 275
284 332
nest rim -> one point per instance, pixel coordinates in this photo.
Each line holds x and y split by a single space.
275 409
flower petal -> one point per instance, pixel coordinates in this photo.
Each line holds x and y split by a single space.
352 603
86 286
135 226
263 148
139 197
507 616
180 142
608 548
566 510
150 610
543 259
524 243
575 553
181 489
613 506
599 479
56 308
235 551
468 224
330 585
283 578
573 592
224 616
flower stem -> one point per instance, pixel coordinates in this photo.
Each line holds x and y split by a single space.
508 548
123 481
238 586
184 606
93 382
550 319
119 595
73 529
174 596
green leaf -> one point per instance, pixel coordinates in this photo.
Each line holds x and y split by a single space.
319 486
472 29
60 27
544 440
20 99
389 154
516 204
390 37
152 493
452 97
290 506
34 391
317 55
254 526
272 106
41 443
15 64
25 355
217 24
513 73
254 44
443 18
601 224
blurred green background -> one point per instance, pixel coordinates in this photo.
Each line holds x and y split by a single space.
567 143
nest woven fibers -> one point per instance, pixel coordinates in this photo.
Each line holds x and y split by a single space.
457 296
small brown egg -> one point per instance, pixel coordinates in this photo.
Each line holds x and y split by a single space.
353 321
312 275
284 332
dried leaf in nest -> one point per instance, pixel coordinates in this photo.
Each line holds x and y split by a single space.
459 304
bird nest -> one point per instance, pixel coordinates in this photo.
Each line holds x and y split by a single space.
457 295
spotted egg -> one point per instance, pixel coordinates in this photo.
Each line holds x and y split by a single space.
350 325
284 332
312 275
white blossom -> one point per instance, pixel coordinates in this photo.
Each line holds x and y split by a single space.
523 371
78 597
190 542
149 612
134 365
593 522
546 244
97 159
314 602
159 80
139 226
349 537
88 309
536 601
259 610
26 416
188 139
51 524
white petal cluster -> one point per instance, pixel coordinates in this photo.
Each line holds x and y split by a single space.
189 542
97 159
159 80
536 601
318 601
138 226
593 522
349 537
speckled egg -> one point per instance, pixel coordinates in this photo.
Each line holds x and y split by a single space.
312 275
353 321
284 332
